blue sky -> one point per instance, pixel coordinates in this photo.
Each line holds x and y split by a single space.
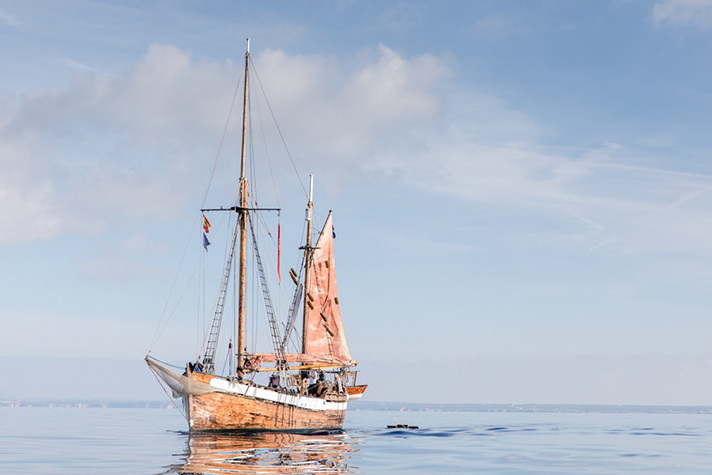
521 189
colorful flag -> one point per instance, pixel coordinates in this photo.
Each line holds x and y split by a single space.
206 224
206 243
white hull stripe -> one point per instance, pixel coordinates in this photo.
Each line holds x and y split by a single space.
304 402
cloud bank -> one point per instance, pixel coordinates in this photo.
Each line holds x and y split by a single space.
130 146
697 13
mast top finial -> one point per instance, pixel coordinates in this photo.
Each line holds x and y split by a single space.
248 46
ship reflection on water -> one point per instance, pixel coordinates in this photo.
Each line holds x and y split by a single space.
266 452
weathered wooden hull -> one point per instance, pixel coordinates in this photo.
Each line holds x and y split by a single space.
237 406
220 412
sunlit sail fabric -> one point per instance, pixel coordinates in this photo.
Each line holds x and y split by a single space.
180 385
324 331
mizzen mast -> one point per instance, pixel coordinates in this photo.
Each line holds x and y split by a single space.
241 350
307 264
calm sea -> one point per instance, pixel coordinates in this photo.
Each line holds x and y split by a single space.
44 440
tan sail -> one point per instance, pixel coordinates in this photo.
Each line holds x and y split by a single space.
324 333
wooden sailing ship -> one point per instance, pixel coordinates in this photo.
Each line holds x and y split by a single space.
307 390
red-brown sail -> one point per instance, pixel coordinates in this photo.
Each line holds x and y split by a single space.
325 336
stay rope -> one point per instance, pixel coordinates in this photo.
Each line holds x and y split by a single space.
274 119
386 407
161 325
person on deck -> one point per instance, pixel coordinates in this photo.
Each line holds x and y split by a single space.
311 388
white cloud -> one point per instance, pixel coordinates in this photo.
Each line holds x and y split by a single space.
27 210
343 119
129 146
9 19
106 149
696 13
27 213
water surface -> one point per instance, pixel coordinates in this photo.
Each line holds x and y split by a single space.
55 440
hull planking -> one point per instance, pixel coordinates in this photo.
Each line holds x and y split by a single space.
235 406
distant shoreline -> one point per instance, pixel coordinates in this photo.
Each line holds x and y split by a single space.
393 407
87 403
531 408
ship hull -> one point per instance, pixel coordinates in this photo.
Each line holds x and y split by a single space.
240 407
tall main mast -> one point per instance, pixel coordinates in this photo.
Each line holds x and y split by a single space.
241 350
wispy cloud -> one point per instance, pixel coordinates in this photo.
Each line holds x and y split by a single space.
117 269
601 244
77 65
688 196
697 13
489 153
494 25
9 20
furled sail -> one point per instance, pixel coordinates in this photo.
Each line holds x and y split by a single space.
255 360
325 336
180 385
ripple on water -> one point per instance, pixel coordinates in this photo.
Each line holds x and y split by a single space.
117 441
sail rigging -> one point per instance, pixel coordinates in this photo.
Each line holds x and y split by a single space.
212 343
269 308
